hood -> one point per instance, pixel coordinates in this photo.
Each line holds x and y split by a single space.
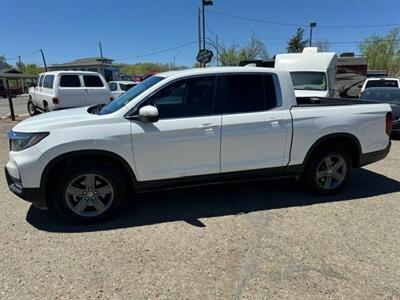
56 119
310 93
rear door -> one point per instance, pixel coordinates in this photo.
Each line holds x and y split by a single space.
97 91
71 92
186 139
255 127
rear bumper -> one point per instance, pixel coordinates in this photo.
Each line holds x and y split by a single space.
369 158
34 195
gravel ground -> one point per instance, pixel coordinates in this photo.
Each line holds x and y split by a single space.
259 240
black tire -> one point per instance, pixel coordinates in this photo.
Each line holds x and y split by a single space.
32 110
65 202
334 180
46 107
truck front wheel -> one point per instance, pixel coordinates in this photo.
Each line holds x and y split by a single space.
328 171
89 192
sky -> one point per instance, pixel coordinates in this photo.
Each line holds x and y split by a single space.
134 31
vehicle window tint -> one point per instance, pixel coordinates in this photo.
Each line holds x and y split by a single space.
270 93
186 98
70 81
113 86
92 81
48 81
382 83
244 93
41 80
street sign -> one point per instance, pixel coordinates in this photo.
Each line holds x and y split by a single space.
204 56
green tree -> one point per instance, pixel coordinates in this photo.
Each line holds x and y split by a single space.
296 44
232 55
32 69
383 52
147 68
3 63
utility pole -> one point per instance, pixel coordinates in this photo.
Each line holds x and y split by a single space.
19 61
312 25
217 50
102 60
199 27
10 102
203 23
44 60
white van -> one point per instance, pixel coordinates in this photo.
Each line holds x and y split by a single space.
313 73
67 89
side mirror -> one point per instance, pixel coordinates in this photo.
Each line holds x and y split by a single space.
148 113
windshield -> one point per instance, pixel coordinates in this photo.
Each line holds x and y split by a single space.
391 95
381 83
314 81
126 87
127 97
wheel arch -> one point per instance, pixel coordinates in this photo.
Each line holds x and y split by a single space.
69 158
345 141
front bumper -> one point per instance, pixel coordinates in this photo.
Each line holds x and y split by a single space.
369 158
35 195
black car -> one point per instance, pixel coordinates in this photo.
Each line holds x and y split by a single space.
390 95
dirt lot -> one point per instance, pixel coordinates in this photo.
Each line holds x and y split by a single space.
259 240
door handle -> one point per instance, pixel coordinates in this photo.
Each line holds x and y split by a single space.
207 126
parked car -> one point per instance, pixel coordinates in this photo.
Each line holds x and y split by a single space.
380 82
117 88
386 95
190 127
67 89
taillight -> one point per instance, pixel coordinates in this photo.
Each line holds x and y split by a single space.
389 123
55 100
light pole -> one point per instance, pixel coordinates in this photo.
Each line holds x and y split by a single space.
204 3
312 25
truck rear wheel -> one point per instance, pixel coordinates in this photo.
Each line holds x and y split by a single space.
328 171
32 108
89 192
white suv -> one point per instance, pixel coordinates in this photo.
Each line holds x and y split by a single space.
67 89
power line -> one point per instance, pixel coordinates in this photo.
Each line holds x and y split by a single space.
23 56
156 51
300 25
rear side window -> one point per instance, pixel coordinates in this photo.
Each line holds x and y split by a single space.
248 93
70 81
41 80
48 81
382 83
92 81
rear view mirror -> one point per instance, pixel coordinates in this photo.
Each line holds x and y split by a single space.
148 113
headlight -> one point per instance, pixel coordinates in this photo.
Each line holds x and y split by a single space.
20 141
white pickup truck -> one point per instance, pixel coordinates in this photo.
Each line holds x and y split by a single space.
192 127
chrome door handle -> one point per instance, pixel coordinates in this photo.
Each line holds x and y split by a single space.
207 126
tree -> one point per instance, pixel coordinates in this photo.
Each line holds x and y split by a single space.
147 68
32 69
3 63
232 55
322 45
296 44
383 52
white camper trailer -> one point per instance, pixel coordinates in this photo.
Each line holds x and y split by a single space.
313 73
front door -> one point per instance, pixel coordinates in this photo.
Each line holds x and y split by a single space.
186 139
255 130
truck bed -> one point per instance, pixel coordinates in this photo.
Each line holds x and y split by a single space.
320 101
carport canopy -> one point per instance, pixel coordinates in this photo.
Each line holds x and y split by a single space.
6 75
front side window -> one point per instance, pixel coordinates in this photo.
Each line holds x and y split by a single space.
41 80
92 81
186 98
70 81
246 93
311 81
382 83
48 81
113 86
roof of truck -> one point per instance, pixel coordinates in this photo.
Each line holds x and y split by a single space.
69 72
